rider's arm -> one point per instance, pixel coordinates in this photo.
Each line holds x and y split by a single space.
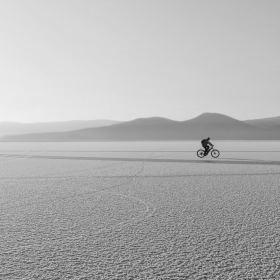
210 144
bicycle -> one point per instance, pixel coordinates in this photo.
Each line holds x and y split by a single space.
214 153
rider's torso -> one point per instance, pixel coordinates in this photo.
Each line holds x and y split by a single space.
204 142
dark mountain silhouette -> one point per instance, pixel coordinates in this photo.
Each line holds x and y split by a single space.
265 123
216 126
7 128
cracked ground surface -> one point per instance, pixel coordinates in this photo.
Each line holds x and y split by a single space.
144 211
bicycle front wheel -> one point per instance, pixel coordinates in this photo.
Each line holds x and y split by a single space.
200 153
215 153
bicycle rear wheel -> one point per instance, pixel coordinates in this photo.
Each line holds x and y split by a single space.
200 153
215 153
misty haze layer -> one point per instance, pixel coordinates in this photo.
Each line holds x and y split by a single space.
215 126
10 128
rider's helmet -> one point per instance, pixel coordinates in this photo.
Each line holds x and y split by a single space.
208 138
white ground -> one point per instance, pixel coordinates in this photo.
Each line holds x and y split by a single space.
139 211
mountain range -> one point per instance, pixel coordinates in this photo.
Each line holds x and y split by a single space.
265 123
213 125
11 128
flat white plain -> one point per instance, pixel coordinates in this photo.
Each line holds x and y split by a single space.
139 211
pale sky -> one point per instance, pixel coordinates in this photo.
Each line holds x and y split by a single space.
126 59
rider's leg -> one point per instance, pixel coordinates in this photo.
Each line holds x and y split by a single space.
206 147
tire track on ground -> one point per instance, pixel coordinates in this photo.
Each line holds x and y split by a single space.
14 157
105 190
142 201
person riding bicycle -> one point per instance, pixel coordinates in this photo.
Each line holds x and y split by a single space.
206 145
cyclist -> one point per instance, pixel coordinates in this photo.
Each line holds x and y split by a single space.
206 145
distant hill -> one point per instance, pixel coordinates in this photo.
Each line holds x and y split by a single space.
9 128
265 123
216 126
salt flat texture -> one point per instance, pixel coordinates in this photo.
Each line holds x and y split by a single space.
139 211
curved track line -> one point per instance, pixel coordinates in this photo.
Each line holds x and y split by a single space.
137 218
148 207
148 212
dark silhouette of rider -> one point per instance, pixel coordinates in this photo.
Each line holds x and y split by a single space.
206 145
